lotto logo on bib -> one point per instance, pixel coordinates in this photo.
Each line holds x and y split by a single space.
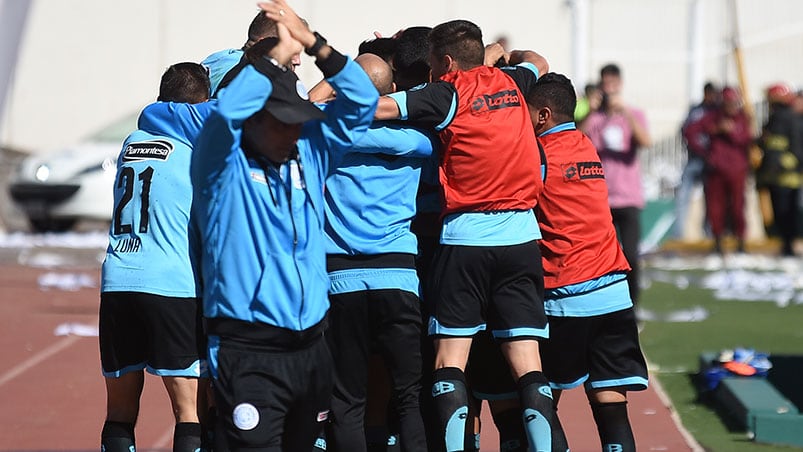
573 172
496 101
246 416
590 170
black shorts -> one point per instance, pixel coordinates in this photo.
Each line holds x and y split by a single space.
163 335
488 373
272 400
601 352
498 288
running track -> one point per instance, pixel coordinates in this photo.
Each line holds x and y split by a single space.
52 394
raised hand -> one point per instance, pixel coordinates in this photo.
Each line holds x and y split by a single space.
283 14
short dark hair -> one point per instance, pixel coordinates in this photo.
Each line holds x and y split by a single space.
710 87
382 47
261 27
610 69
460 39
184 82
411 60
555 91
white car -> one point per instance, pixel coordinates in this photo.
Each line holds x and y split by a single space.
57 190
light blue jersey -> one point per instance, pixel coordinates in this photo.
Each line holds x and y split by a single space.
598 296
497 228
263 255
370 203
220 63
150 246
371 192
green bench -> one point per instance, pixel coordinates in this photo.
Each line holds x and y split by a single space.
758 407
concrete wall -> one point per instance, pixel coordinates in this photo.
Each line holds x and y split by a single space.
85 63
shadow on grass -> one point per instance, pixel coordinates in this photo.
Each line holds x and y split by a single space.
705 397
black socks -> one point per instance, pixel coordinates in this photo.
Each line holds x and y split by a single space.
540 418
451 406
613 425
187 437
117 437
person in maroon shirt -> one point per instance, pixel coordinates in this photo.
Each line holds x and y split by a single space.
726 165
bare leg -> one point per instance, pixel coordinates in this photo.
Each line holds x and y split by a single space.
452 352
183 392
522 356
122 409
184 397
122 397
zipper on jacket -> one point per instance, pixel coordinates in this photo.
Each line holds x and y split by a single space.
289 191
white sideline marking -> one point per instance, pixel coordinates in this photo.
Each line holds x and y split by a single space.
664 398
37 358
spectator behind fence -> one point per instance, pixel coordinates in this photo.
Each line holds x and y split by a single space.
726 165
695 162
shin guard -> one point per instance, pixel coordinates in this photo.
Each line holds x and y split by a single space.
539 414
451 406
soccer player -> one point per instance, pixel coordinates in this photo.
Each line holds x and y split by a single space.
487 272
150 313
258 175
225 64
593 334
370 201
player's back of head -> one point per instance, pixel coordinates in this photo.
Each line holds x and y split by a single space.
381 47
411 60
555 91
261 27
378 71
460 39
184 82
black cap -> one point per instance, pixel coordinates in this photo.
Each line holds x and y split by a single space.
289 101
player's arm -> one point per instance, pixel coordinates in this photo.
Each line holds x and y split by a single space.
350 114
524 74
247 93
387 109
540 63
432 105
396 140
184 120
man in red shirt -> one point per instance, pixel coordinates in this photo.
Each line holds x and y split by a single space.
593 333
487 271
